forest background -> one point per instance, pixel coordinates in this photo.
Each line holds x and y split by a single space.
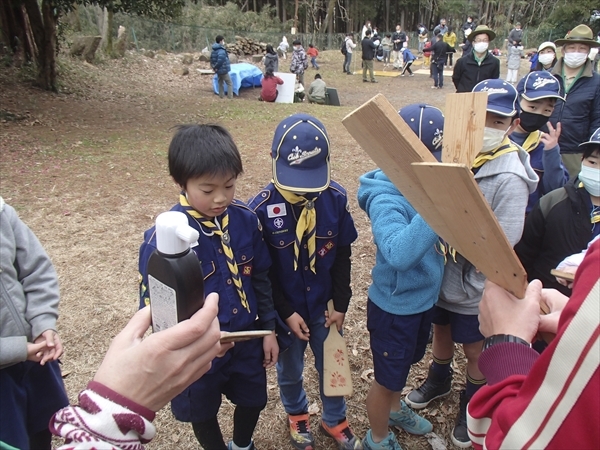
39 28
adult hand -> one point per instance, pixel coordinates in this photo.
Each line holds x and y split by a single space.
556 302
53 346
298 326
271 349
335 317
550 139
152 371
503 313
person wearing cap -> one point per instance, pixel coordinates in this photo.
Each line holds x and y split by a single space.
205 162
538 93
546 58
308 229
299 61
405 285
579 112
477 65
506 179
564 221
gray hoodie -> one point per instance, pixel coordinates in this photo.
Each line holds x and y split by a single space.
28 288
506 183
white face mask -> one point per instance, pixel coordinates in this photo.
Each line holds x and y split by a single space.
575 59
481 47
546 58
590 178
492 138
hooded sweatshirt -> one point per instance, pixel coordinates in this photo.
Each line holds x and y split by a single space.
408 270
506 183
272 62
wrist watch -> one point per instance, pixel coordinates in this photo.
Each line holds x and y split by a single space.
498 338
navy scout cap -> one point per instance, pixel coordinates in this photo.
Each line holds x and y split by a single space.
300 153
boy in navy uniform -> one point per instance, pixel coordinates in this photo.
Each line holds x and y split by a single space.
406 283
308 229
204 161
505 177
538 93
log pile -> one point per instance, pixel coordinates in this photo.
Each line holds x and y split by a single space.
245 46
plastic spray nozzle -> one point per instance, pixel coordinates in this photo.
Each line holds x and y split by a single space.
173 233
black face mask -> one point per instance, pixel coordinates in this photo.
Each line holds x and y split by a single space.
532 122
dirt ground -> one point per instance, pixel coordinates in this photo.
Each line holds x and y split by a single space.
86 170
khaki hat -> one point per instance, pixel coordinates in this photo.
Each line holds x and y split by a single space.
581 34
482 29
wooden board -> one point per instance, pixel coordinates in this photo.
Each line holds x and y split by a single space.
390 142
464 121
337 377
332 97
564 275
466 221
238 336
286 90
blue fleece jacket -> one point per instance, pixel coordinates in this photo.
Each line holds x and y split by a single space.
408 270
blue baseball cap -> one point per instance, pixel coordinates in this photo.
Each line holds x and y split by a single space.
300 153
428 124
594 139
502 96
539 84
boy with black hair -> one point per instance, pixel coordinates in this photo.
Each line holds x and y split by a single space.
313 53
219 61
505 178
368 54
538 93
317 91
439 50
308 228
205 162
299 61
564 221
405 286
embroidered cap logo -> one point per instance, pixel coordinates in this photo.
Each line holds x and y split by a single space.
298 156
540 82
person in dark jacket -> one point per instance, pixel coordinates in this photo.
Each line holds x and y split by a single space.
398 39
477 65
564 221
439 52
515 35
468 25
219 61
579 113
368 53
271 59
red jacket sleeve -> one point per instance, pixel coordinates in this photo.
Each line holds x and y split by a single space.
550 401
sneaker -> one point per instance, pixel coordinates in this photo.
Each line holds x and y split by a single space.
389 443
402 75
460 436
434 87
431 389
343 435
412 75
230 446
300 435
374 81
409 421
365 81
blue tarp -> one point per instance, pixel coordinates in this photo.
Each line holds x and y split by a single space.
242 75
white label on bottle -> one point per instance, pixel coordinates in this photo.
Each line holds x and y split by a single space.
163 303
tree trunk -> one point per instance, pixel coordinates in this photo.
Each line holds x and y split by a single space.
107 27
43 27
387 15
296 16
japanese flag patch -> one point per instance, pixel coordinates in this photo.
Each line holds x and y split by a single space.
276 210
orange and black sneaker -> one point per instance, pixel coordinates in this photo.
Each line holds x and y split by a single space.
343 435
300 435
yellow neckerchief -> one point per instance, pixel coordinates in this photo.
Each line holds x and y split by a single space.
507 146
223 232
532 141
307 224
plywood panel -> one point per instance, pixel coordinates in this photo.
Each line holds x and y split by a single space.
464 121
467 222
393 146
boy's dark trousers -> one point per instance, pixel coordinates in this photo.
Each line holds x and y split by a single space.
438 73
407 67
